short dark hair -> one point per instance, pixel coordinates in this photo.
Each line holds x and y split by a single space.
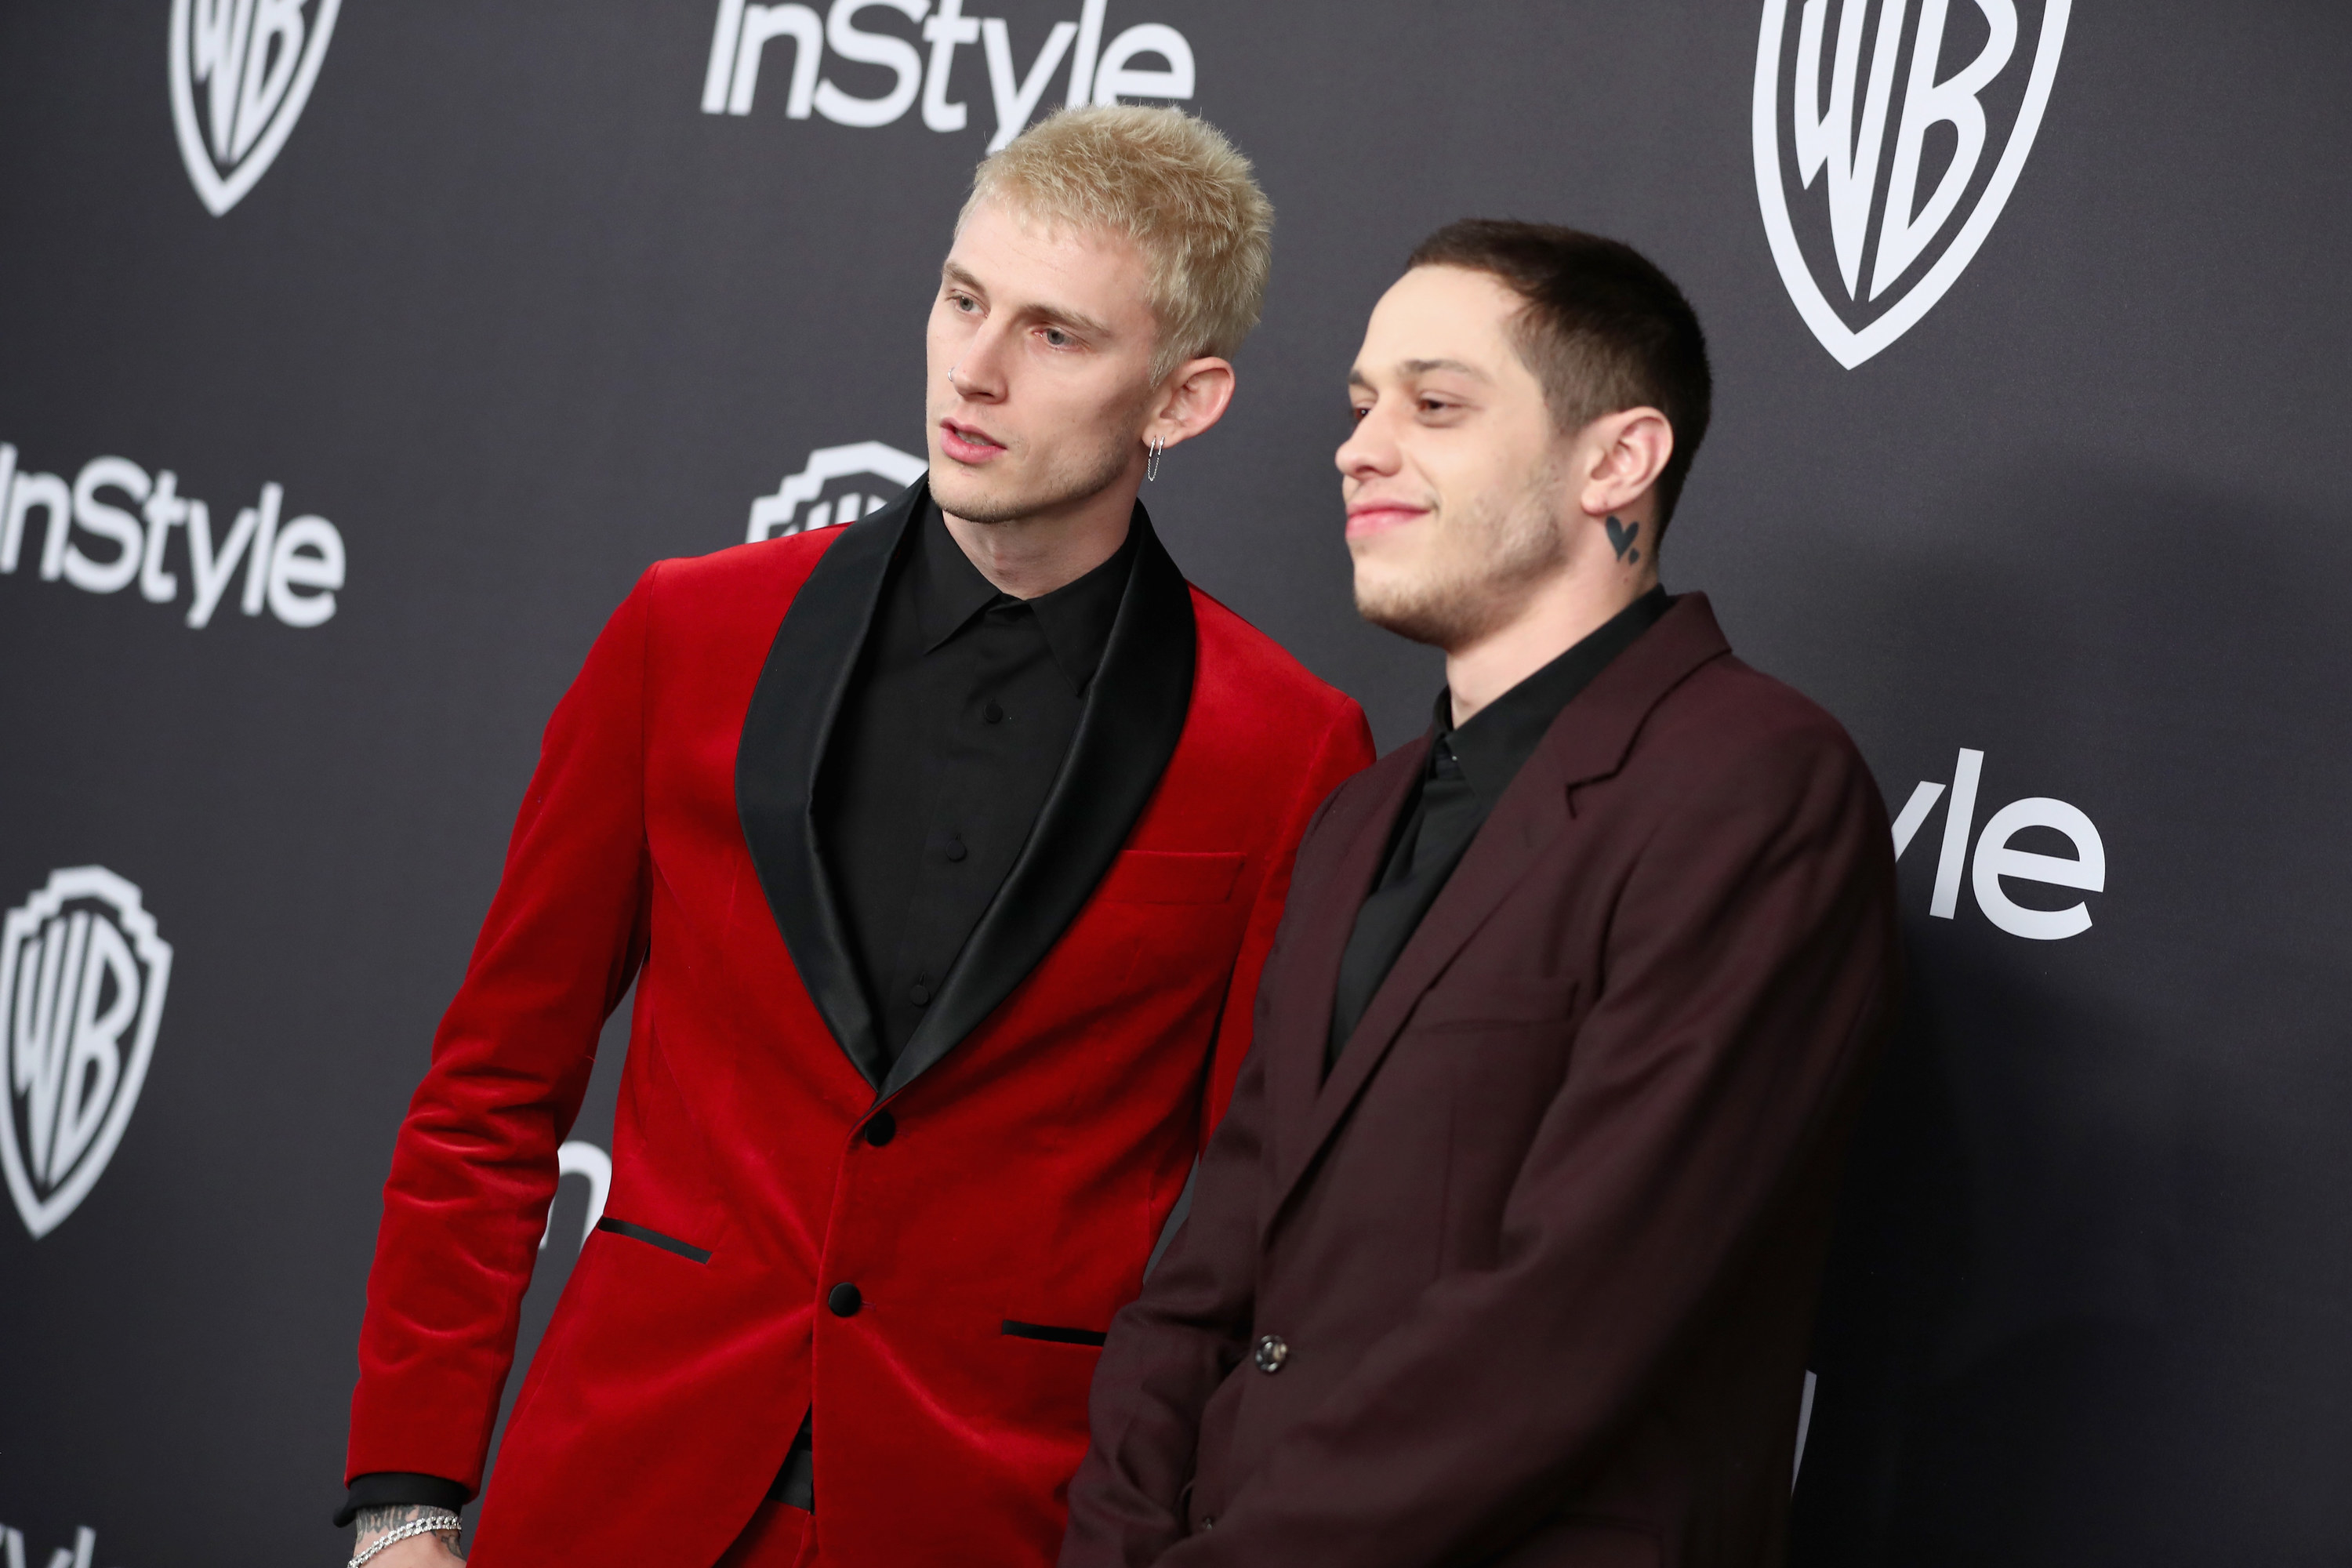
1603 329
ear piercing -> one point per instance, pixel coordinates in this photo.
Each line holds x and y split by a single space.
1151 463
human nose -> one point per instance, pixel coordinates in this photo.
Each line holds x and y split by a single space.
977 374
1370 450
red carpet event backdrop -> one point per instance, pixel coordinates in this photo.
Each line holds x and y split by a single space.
359 355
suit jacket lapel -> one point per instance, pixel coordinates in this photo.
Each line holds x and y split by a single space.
1133 718
792 715
1586 742
1325 913
1524 821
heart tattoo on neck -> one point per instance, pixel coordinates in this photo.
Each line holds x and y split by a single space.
1620 539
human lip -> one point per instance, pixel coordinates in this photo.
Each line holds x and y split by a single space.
1369 517
968 443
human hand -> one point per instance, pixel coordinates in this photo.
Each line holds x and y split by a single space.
417 1552
433 1548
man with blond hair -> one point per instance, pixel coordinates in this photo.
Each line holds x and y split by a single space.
922 840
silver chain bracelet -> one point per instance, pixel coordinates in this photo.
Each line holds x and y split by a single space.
433 1523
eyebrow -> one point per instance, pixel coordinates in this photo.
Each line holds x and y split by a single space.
1355 377
1459 367
1061 315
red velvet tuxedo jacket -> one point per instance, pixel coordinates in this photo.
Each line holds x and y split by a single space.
1529 1279
1041 1123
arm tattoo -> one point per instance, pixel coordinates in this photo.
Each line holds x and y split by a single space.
1620 539
371 1522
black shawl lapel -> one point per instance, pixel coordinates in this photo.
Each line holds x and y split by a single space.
1133 717
790 718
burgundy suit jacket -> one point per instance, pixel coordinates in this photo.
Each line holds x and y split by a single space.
1540 1255
1045 1114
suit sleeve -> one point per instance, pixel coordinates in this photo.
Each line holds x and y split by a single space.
1345 750
1748 966
475 1165
1169 1349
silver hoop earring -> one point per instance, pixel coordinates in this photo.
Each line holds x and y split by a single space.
1151 463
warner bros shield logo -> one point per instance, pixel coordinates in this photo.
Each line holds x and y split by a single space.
1888 136
241 72
82 975
841 484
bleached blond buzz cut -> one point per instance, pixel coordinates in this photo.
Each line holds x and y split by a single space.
1167 182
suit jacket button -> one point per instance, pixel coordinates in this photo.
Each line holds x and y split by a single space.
1272 1352
844 1299
880 1128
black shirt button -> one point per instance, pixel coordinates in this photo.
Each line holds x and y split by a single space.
920 993
992 713
1272 1352
955 850
843 1300
880 1128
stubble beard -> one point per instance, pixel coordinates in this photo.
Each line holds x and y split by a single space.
1490 558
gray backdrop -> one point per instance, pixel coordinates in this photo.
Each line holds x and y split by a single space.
492 295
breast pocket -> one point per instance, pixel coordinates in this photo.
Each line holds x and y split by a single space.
1172 877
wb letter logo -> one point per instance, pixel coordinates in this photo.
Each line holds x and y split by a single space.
82 974
241 71
880 471
1880 172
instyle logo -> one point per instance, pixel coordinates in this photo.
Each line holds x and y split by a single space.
1998 854
1885 147
83 976
841 484
254 62
1099 73
292 568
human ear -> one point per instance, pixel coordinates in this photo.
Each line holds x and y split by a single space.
1194 397
1623 455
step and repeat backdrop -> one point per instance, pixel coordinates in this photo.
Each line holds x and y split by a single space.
355 357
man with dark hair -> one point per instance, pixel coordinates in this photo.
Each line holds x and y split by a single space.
1507 1252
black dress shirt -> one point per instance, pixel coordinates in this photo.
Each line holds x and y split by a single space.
954 727
1469 768
960 715
949 737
